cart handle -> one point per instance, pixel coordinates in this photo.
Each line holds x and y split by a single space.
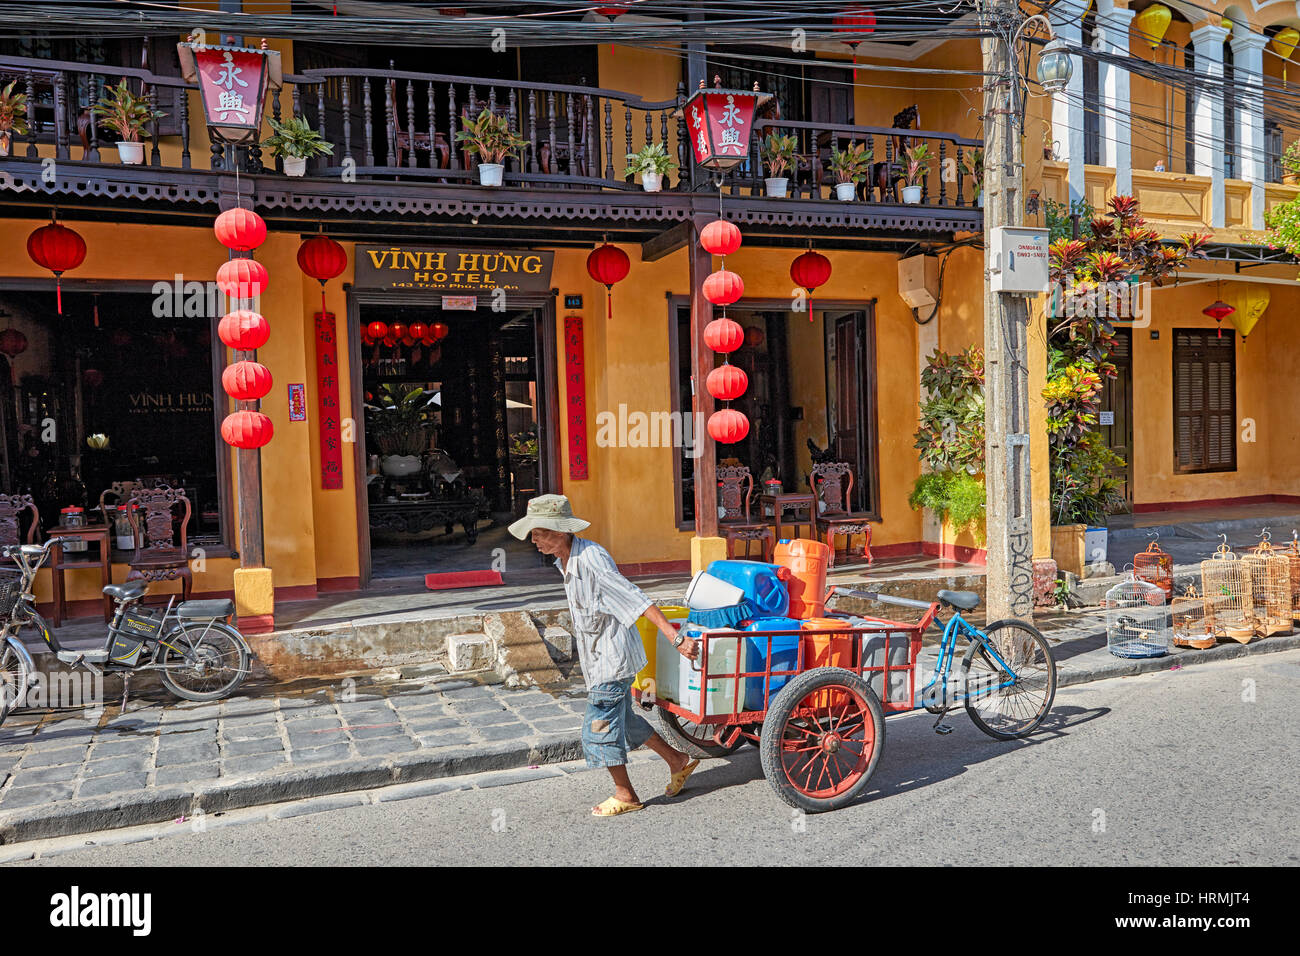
877 596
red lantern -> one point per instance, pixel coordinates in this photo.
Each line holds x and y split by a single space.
13 343
723 287
720 238
809 271
390 341
246 429
397 330
724 335
1218 311
855 19
417 330
439 331
365 337
753 336
728 426
244 330
726 383
93 378
720 123
322 258
427 340
240 229
58 249
246 381
242 278
612 10
408 340
608 264
377 330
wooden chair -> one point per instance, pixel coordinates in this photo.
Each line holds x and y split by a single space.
828 484
735 525
11 509
120 492
551 157
157 558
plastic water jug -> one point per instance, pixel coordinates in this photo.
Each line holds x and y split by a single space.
763 584
721 684
646 679
807 561
886 645
785 657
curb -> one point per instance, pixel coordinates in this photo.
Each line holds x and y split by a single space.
1120 667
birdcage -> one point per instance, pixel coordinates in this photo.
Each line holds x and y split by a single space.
1270 585
1187 618
1155 566
1292 553
1229 601
1137 619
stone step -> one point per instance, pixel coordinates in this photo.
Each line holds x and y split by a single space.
523 659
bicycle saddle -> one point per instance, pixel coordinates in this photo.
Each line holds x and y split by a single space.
130 591
961 600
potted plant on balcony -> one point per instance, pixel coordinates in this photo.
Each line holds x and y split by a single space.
850 168
652 162
399 424
778 155
13 117
126 114
972 165
915 168
1290 164
295 142
490 138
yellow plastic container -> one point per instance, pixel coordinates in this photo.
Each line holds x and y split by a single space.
650 637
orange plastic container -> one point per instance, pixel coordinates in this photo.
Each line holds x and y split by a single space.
807 561
827 650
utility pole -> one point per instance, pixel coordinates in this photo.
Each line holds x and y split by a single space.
1008 521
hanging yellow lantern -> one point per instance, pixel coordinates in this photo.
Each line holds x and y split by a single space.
1283 44
1252 301
1153 24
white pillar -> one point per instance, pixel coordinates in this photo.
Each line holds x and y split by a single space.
1067 112
1116 128
1248 70
1207 42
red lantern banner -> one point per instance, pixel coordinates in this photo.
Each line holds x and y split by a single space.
575 396
327 400
232 84
720 124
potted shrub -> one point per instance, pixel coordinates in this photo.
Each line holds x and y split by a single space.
13 117
295 142
490 138
399 424
850 168
1290 163
778 156
972 165
652 162
126 114
915 168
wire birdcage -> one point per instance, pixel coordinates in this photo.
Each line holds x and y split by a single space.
1270 583
1137 619
1229 601
1292 553
1156 566
1187 618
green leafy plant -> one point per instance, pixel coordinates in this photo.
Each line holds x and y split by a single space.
1059 220
294 137
916 166
400 419
1085 487
778 154
954 496
13 111
490 138
124 112
1062 595
1290 159
852 164
950 434
650 158
1283 226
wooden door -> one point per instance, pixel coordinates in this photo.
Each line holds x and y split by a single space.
851 418
1116 418
1205 401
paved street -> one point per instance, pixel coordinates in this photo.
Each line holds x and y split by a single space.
1193 766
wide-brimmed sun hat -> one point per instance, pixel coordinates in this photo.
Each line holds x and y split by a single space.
552 512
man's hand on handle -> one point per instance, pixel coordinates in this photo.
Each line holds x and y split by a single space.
689 646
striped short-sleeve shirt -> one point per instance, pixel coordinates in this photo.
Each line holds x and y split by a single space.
605 607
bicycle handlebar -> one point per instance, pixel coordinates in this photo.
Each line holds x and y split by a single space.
883 598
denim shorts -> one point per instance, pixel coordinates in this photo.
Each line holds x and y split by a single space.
611 727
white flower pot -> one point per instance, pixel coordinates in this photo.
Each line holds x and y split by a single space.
131 154
489 174
295 165
652 182
776 187
911 194
1094 545
845 192
400 466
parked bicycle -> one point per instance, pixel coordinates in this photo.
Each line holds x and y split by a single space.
198 654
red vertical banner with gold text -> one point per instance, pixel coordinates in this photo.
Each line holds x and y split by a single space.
575 392
327 398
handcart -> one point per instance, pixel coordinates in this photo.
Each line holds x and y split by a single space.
816 712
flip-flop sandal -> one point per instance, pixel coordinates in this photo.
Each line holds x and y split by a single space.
678 780
614 806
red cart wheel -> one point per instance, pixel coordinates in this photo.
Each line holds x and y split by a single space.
822 739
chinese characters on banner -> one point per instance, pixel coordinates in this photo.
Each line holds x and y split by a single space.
231 83
720 124
327 395
575 392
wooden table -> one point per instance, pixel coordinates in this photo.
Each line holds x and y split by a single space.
91 534
410 517
792 501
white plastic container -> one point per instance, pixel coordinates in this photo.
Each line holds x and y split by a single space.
667 670
707 593
720 693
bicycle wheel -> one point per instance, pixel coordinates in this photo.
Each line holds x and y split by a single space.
821 741
1015 710
14 676
693 739
202 661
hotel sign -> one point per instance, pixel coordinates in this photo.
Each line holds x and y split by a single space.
453 269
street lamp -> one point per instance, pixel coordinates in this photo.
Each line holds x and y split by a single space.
1055 66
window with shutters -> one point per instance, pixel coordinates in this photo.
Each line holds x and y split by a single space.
1205 401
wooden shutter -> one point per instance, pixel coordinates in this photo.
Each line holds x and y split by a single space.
1205 401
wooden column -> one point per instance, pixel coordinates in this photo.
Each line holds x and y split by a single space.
706 472
248 463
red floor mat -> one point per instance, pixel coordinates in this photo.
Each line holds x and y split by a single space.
446 580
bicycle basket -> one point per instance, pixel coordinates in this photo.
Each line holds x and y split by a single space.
11 589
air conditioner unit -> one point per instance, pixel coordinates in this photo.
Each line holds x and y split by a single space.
918 281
